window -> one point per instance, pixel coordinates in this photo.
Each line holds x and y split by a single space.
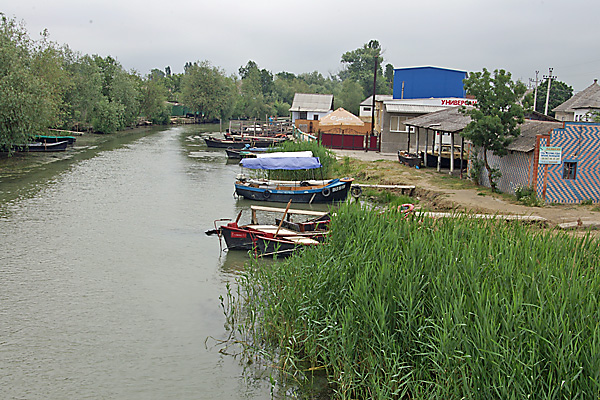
316 117
303 115
397 124
367 108
569 170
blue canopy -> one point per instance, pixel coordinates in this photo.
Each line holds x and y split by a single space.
288 163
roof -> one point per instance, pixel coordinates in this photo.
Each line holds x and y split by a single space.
445 120
378 97
587 98
312 102
452 120
405 108
429 67
341 117
529 130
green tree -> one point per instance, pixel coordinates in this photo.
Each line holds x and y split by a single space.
252 101
559 93
125 89
207 91
349 96
108 116
265 78
85 91
496 116
30 100
360 66
153 102
389 76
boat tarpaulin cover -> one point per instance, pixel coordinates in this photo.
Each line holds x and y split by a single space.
307 153
288 163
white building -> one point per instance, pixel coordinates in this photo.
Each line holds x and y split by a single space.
311 107
581 106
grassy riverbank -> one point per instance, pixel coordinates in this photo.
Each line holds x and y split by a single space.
447 309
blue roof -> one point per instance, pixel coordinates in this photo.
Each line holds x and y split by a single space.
288 163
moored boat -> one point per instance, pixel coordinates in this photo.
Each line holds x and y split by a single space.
242 142
54 139
40 147
408 159
313 191
244 237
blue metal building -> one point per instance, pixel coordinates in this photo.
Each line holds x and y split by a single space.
427 82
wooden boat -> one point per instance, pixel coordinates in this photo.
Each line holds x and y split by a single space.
409 159
244 237
247 141
54 139
313 191
313 225
40 147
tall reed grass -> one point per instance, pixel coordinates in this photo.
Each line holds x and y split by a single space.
395 308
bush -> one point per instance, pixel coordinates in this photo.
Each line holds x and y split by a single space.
527 196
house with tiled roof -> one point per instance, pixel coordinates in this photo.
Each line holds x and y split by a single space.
581 106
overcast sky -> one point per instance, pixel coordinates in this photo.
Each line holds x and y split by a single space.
521 36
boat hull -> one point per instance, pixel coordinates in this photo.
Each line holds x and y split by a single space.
242 143
41 147
432 161
409 159
237 238
336 190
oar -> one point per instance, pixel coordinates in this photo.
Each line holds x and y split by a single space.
283 218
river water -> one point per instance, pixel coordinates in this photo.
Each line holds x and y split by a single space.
109 288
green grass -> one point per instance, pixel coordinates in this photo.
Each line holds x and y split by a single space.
432 309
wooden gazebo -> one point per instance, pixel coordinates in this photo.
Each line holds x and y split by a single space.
451 121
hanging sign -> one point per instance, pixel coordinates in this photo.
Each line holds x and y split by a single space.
550 155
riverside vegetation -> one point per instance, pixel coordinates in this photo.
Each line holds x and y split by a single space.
429 309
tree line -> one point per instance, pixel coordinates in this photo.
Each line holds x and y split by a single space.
47 85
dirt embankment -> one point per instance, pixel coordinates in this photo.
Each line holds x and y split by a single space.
441 192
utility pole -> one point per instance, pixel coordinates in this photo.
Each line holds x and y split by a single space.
549 77
368 138
535 91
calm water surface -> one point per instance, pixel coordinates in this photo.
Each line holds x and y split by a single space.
109 287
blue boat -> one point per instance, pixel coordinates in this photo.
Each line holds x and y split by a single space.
312 191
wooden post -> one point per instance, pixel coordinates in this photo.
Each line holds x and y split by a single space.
283 218
426 145
462 150
439 163
417 150
451 153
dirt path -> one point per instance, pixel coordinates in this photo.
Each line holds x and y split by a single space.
440 192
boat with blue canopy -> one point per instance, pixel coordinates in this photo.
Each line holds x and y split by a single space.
299 191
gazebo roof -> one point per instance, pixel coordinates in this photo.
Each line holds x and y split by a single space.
341 117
